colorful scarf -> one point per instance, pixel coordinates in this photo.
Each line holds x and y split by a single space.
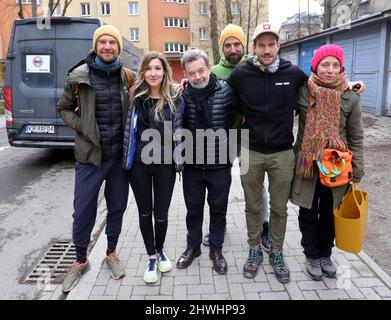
322 122
272 68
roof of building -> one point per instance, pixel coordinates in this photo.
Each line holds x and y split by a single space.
374 18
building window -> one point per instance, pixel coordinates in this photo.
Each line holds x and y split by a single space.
176 23
133 8
39 2
134 34
85 9
175 47
235 7
105 7
203 7
204 33
177 1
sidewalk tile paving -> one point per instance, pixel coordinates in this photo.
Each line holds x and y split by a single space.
362 278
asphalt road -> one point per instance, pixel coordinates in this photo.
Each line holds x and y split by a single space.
36 194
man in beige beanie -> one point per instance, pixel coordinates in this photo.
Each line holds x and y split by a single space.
95 104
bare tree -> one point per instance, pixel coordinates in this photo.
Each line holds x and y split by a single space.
20 12
34 8
54 4
248 24
228 11
66 5
213 30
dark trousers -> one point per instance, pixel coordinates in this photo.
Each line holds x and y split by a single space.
152 187
317 224
195 183
88 181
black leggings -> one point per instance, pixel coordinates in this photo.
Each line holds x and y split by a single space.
152 187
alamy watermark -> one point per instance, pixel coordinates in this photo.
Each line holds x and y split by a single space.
200 147
344 278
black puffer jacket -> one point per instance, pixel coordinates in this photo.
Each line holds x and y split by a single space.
108 110
219 115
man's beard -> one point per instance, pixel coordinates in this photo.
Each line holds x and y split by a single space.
201 84
234 59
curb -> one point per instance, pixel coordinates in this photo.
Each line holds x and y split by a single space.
382 275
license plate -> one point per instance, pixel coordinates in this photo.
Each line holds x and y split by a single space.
39 129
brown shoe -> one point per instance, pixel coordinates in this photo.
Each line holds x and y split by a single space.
219 263
187 257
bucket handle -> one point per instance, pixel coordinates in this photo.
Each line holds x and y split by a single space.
354 190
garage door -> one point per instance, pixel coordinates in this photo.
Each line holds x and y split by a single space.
307 52
388 101
361 61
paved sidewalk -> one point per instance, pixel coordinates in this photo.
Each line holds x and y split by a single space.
2 122
360 277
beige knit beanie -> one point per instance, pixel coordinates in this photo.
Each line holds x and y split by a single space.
107 30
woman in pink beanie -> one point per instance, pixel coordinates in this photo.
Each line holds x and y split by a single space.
329 117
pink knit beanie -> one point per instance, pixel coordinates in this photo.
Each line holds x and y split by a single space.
327 50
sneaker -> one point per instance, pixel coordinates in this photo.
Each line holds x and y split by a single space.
163 263
74 274
150 274
281 270
205 240
255 258
312 269
328 268
117 270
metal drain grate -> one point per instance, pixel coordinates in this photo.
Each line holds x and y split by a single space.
53 267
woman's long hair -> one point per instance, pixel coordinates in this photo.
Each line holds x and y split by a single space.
141 88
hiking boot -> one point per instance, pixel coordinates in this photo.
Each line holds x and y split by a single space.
74 274
205 239
150 274
255 258
163 263
328 268
117 270
265 241
312 269
281 270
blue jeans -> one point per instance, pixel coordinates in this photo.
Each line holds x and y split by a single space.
88 181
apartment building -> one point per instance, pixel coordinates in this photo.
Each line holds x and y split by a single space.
169 30
343 10
130 17
151 25
248 14
9 12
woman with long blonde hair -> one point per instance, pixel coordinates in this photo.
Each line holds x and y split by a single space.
154 118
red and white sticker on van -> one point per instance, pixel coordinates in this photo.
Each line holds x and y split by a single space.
38 63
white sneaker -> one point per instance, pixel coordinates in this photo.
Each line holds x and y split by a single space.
150 274
163 263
